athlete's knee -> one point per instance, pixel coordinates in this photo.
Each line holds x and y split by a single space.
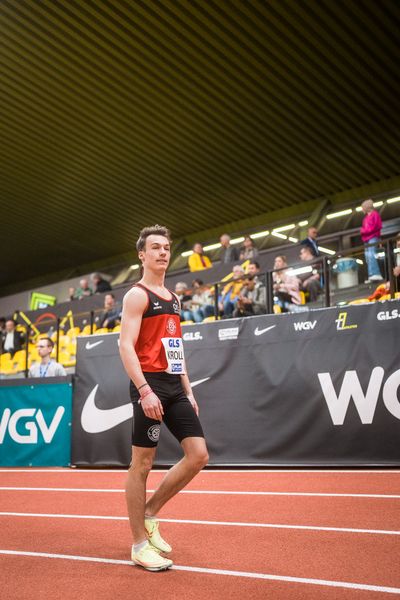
199 458
142 464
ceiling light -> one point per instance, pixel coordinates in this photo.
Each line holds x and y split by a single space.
212 246
341 213
285 227
294 240
279 235
134 267
302 223
392 200
254 236
238 240
187 253
359 261
326 250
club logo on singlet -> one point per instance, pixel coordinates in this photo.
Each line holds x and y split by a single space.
171 326
175 306
154 433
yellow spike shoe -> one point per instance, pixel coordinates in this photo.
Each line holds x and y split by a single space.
154 537
149 559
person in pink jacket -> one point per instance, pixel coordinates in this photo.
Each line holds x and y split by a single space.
370 234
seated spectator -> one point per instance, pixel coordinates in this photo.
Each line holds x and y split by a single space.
228 253
310 282
12 340
230 293
249 250
202 299
285 285
253 269
198 261
311 241
100 285
47 366
251 299
84 290
185 298
112 312
71 293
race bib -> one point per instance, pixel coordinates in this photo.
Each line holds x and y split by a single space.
174 353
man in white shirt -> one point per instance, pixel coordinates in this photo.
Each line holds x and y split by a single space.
47 367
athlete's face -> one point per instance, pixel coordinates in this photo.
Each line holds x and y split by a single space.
157 253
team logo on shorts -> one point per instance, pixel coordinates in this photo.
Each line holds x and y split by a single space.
171 326
154 433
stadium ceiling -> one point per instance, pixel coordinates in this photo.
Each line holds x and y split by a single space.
193 113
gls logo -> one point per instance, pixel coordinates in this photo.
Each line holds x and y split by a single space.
304 325
364 403
192 336
386 315
10 421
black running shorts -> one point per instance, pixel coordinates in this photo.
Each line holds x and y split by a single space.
179 414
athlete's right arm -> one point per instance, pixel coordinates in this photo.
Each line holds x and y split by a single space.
134 304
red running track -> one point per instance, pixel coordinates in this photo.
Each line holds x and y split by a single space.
313 556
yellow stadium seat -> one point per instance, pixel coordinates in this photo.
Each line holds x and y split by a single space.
360 301
277 309
187 322
19 361
86 329
385 297
66 359
117 328
302 297
209 319
101 330
73 332
72 348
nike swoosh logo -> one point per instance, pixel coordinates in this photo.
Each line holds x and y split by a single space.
261 331
90 345
98 420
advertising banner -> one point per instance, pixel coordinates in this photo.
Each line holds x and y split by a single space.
35 422
316 388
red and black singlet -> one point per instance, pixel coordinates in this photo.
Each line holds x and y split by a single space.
160 320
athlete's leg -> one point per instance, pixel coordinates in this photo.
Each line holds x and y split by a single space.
142 461
195 458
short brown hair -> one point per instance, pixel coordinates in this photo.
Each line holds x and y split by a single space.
48 340
152 230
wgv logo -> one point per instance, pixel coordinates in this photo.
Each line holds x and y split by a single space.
28 431
365 403
304 325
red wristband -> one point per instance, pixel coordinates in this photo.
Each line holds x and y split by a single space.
146 393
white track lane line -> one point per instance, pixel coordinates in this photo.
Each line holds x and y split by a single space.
214 492
249 575
208 471
198 522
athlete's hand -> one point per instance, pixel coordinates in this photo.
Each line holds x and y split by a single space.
193 402
152 407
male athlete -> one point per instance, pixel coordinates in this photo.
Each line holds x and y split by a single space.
152 352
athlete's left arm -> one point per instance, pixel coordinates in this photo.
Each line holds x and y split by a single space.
189 393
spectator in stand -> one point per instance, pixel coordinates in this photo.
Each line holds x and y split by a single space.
253 268
185 298
202 298
230 293
229 254
396 269
198 261
2 326
249 250
285 286
84 290
112 312
310 282
311 241
47 366
12 340
251 299
370 234
100 285
71 293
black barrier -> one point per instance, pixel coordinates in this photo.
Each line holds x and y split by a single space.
304 390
